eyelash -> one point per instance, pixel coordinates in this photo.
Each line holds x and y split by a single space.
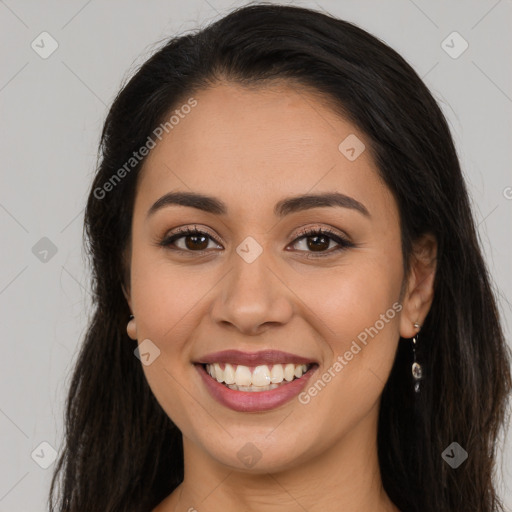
306 233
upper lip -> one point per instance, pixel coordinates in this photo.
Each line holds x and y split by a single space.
253 358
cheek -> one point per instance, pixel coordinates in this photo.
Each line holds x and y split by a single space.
347 299
167 301
356 312
167 298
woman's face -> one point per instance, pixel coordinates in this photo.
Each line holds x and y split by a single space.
251 282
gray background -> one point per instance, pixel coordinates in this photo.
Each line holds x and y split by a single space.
52 111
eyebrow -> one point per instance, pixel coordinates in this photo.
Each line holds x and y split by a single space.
284 207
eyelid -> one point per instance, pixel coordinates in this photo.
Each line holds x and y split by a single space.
170 237
340 238
319 228
188 228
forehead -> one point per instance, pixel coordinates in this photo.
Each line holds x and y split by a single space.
259 144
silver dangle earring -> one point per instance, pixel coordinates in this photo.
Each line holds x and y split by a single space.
417 370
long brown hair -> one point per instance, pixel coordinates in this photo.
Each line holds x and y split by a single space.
122 452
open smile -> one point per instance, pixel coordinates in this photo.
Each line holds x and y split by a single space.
267 379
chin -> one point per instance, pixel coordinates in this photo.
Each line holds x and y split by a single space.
256 454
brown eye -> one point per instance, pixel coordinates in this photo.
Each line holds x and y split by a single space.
188 240
199 242
320 241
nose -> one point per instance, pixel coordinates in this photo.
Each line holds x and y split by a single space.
252 298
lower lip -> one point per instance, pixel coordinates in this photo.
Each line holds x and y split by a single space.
254 401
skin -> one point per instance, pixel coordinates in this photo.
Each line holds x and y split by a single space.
251 148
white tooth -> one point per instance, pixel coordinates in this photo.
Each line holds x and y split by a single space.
242 376
277 374
298 371
211 370
261 376
229 374
219 374
254 388
289 371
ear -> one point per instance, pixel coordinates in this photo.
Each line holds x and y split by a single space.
419 292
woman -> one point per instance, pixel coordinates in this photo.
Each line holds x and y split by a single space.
292 308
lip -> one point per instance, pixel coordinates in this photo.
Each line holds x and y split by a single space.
254 358
256 401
